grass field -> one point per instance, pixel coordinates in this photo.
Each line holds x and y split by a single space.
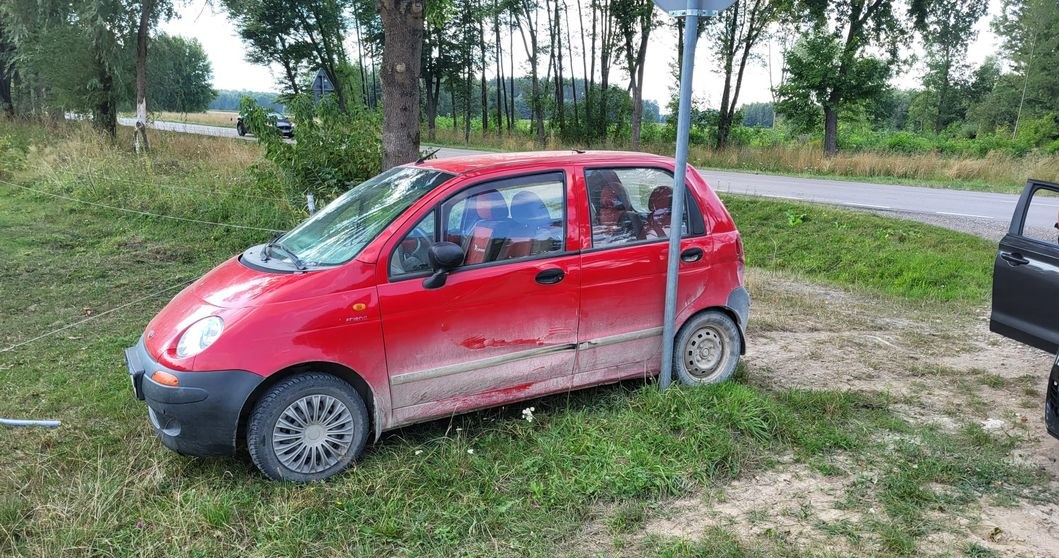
583 478
221 118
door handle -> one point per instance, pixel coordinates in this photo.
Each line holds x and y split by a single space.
550 276
691 255
1014 258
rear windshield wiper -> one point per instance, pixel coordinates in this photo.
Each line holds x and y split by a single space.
275 244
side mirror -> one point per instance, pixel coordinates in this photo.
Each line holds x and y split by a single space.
444 257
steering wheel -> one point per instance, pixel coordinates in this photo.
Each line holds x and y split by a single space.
413 257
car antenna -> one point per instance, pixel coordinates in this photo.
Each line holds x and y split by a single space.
429 155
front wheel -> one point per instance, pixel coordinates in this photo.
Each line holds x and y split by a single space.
307 428
707 349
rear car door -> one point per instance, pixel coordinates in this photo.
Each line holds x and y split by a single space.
1026 271
623 269
504 325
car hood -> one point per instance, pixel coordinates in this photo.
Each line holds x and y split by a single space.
233 289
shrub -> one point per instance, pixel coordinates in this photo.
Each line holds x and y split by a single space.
333 151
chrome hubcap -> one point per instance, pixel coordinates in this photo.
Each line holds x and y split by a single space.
312 434
705 352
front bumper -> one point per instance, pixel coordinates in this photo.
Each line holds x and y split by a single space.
1051 401
201 416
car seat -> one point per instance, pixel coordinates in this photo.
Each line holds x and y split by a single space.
484 227
659 216
532 231
615 217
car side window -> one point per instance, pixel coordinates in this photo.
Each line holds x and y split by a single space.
509 219
503 220
1042 216
410 255
630 205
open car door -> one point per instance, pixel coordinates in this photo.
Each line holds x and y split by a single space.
1026 271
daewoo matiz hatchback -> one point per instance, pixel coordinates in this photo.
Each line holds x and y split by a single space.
439 288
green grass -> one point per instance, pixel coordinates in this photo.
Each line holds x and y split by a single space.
864 251
488 483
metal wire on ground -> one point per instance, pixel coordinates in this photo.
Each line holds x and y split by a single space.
136 211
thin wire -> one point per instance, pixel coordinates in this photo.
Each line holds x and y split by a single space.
94 316
138 212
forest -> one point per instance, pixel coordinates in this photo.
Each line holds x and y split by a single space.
571 72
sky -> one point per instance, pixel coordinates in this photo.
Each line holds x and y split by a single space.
211 27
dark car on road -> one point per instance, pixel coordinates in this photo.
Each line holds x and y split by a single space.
1026 282
282 124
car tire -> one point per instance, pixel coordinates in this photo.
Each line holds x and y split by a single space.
707 349
240 129
307 428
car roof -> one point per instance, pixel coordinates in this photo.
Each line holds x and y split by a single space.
468 163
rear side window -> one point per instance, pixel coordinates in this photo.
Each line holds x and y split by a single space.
511 219
1042 216
632 205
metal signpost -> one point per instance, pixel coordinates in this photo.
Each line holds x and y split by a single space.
690 10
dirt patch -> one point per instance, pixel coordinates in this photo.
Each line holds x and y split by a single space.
939 365
1020 531
790 503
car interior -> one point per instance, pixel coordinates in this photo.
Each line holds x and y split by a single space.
615 218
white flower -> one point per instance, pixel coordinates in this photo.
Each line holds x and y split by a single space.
527 413
419 452
470 451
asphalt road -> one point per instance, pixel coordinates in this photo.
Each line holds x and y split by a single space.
981 213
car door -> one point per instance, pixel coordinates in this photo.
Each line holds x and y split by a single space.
504 325
1026 271
624 270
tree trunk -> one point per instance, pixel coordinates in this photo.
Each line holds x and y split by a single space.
105 117
139 134
360 61
637 114
7 102
484 88
533 54
402 22
830 130
511 78
501 103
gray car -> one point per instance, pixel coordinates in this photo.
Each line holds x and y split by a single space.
1026 282
282 123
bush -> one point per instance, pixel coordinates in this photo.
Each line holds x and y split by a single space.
333 151
907 142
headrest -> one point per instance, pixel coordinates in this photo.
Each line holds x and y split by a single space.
527 208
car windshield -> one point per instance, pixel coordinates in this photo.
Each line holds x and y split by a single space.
339 231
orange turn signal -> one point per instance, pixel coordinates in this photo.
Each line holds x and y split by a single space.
165 378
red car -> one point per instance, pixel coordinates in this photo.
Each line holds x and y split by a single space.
439 288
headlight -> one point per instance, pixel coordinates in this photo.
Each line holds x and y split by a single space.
200 335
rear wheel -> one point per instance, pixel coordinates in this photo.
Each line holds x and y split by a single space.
307 428
707 349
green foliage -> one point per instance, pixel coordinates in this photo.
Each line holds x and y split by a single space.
334 151
12 156
814 77
178 75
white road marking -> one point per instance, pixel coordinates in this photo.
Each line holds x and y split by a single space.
868 205
965 215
